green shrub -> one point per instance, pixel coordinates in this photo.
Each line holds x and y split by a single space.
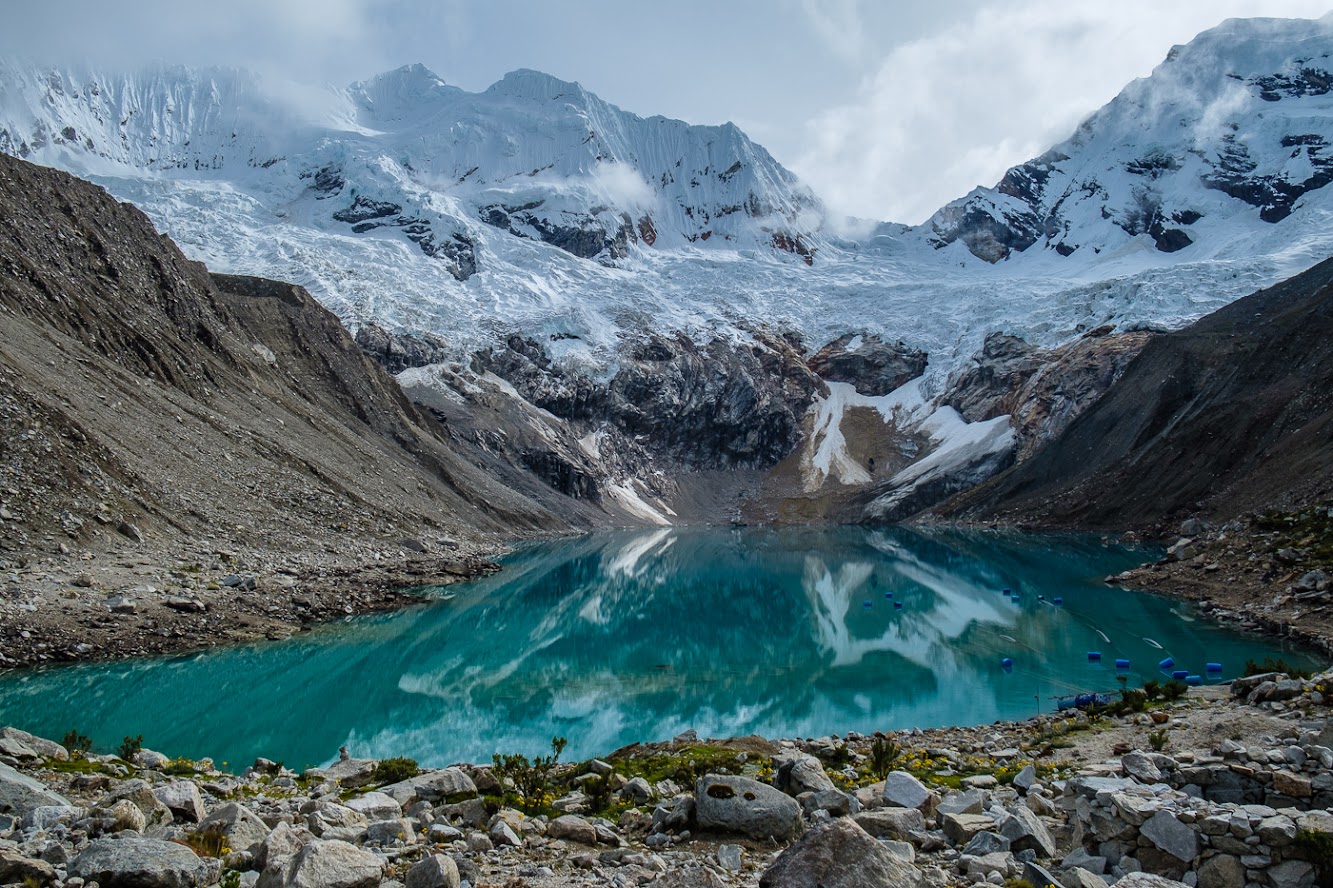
1175 689
883 753
1152 690
77 744
1317 848
1271 665
528 781
130 747
394 770
1157 739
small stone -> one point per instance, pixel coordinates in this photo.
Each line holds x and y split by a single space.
729 857
437 871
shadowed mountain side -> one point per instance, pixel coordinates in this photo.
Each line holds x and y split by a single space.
1232 414
135 387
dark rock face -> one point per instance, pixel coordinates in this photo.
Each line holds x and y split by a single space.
1043 390
1275 196
365 214
396 352
1231 414
720 405
875 367
583 236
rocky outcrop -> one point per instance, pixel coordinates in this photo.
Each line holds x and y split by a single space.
716 405
166 372
872 365
1228 415
1042 390
839 854
396 352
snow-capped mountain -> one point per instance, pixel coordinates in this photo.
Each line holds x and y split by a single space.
536 207
1228 138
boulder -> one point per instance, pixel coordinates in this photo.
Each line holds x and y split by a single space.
1140 767
895 823
18 869
183 799
801 773
690 876
1078 877
328 819
375 806
839 854
1171 836
279 847
502 834
140 794
1025 778
960 828
138 862
971 801
19 793
1221 871
572 828
1148 880
326 864
637 791
1025 830
746 807
902 790
123 816
243 830
40 745
448 785
984 843
872 366
437 871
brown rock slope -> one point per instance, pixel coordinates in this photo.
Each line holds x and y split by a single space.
1230 415
139 392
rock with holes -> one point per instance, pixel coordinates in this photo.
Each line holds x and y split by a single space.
741 806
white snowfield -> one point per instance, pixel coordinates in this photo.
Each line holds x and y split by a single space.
1219 155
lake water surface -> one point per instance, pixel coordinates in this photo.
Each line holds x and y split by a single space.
621 637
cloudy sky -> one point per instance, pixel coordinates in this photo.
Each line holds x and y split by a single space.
888 109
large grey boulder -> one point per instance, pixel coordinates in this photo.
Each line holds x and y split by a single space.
969 801
960 828
1221 871
1140 767
138 862
448 785
40 745
183 799
438 871
746 807
839 854
572 828
243 830
1171 836
375 806
17 869
19 793
1148 880
1025 830
140 794
331 820
326 864
894 823
902 790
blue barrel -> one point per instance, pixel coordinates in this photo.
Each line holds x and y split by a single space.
888 594
1193 680
1041 597
1094 655
1006 591
1166 664
1007 663
1180 674
1122 664
897 605
867 602
1013 598
1213 667
1058 600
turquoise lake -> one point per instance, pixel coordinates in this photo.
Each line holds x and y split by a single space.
614 638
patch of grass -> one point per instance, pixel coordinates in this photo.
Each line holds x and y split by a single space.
208 843
684 766
1317 848
180 767
80 766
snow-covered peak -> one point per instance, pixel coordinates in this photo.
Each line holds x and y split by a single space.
534 85
1231 129
401 94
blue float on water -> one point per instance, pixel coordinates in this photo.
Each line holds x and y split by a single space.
1193 680
1122 664
888 594
1213 667
1166 664
1058 600
1180 674
1094 655
1006 591
1007 663
897 605
867 602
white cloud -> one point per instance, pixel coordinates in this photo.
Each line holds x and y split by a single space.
953 110
838 23
622 186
